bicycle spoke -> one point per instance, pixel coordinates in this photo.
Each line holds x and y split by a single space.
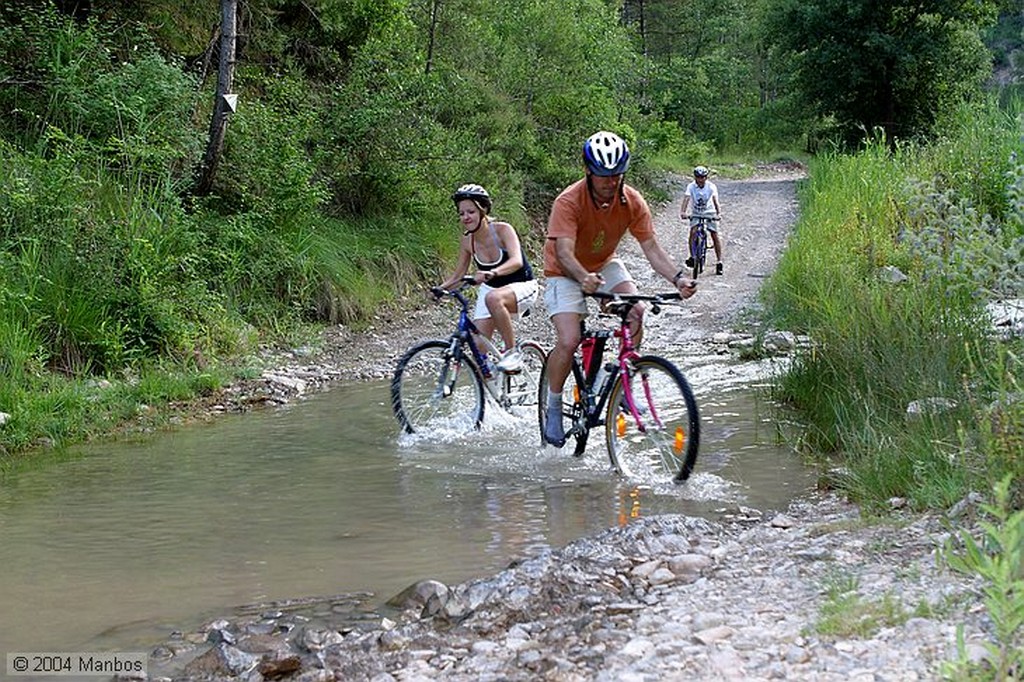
663 435
521 387
430 387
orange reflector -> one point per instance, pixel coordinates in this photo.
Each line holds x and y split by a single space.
620 425
575 394
680 440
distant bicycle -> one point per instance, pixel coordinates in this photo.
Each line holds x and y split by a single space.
699 242
644 402
441 382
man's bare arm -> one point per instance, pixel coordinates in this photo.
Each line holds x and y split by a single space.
565 249
666 267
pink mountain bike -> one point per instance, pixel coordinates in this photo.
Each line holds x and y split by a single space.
644 402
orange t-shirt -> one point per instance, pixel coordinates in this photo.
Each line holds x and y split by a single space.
598 231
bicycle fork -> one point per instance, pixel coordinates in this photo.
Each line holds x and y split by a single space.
449 373
648 407
669 446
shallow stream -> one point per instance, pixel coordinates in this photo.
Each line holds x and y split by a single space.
112 547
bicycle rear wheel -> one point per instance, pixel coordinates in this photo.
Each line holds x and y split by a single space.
574 419
434 387
521 388
666 437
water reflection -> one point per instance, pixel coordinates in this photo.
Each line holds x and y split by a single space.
115 548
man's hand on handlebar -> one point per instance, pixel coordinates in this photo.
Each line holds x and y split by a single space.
591 282
686 287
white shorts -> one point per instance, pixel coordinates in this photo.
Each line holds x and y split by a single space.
564 295
526 296
712 225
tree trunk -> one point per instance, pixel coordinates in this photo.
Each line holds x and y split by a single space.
434 9
221 105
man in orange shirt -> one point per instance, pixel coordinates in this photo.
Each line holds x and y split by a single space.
587 222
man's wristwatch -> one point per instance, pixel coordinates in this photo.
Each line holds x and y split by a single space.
675 279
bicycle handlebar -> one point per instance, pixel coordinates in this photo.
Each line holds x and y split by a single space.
698 216
621 304
465 281
636 298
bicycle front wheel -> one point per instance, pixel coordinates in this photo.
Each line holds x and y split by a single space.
700 252
436 387
521 388
664 436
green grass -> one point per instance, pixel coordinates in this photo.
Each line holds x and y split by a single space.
879 346
847 614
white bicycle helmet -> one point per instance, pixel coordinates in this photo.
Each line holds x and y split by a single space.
700 172
606 154
474 193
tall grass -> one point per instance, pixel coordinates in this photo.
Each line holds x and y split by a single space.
881 345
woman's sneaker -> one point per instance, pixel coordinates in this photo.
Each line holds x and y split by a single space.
718 268
511 362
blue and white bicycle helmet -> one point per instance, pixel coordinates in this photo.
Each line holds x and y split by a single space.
474 193
606 154
700 172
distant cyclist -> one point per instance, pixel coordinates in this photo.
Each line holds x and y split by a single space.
507 285
587 222
703 194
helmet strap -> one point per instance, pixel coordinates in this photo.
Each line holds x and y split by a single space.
475 229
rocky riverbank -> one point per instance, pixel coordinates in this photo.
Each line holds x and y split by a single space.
815 593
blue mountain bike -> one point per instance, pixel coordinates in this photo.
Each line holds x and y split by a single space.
699 241
443 382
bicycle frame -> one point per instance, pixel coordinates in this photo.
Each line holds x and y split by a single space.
467 333
699 241
595 402
480 346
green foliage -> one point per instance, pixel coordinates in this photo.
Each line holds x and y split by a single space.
712 70
998 558
870 360
893 65
73 79
105 286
